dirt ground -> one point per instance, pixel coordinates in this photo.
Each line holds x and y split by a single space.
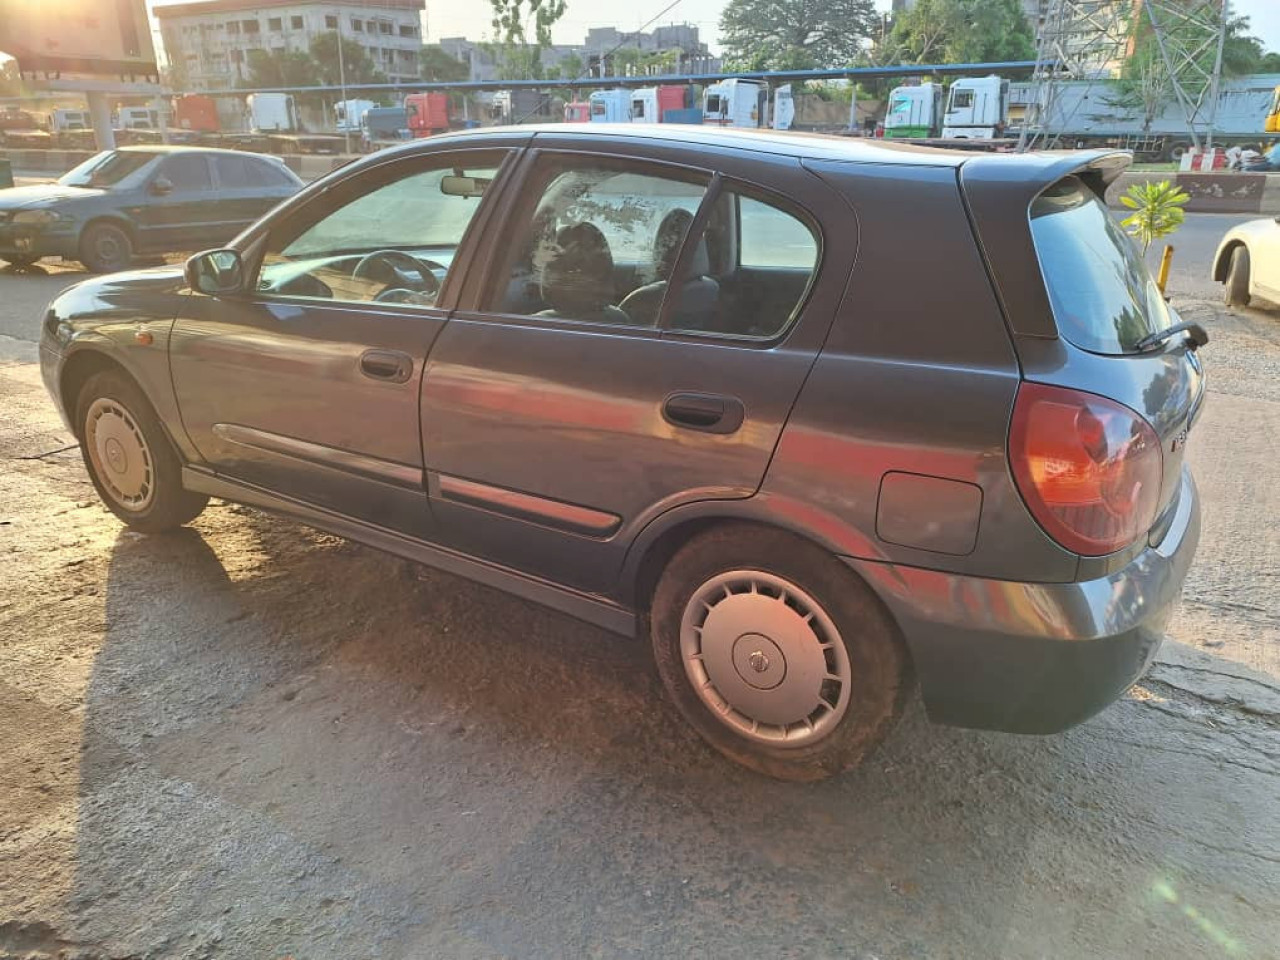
251 740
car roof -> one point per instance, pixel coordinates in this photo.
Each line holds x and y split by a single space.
160 148
814 146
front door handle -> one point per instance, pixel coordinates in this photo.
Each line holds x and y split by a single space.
390 365
709 412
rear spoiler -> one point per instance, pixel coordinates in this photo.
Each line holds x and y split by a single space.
999 189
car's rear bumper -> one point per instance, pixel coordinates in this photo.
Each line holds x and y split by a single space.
1037 657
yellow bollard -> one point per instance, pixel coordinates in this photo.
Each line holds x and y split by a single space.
1165 262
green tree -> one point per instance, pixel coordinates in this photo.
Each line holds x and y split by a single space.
963 31
357 66
572 67
281 68
435 64
1270 63
10 79
795 34
518 56
626 61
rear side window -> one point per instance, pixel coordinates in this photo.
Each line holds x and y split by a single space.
748 273
1103 297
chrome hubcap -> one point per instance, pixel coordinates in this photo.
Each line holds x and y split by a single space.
120 455
765 658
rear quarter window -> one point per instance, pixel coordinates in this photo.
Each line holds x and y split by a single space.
1103 297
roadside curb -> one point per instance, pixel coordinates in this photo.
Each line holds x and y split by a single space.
1212 192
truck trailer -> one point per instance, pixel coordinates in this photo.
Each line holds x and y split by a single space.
1097 113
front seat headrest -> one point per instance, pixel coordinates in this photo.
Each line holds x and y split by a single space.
666 246
578 276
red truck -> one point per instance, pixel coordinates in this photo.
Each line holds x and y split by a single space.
428 113
196 113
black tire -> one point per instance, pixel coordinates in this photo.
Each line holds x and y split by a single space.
18 260
876 664
1235 291
160 503
105 248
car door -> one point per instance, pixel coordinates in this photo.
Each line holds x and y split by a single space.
179 208
247 188
309 386
556 424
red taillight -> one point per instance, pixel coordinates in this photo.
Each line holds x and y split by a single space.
1088 468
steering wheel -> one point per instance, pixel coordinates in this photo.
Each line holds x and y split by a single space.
385 266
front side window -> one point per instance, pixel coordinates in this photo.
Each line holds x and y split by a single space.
1103 297
962 99
105 170
392 242
597 241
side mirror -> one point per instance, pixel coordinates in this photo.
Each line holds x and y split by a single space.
216 272
161 186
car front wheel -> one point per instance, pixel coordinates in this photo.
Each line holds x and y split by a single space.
105 248
1235 292
776 653
132 465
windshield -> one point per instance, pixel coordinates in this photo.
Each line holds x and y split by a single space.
106 169
1102 294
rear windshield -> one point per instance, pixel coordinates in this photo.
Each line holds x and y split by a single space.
1102 294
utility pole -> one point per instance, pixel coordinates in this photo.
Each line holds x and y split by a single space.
342 85
1216 81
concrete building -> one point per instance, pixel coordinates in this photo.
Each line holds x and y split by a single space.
207 43
691 54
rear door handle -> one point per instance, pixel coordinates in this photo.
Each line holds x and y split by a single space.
709 412
390 365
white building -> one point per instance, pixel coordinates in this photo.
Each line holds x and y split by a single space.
207 43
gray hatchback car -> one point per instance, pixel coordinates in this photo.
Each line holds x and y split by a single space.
815 417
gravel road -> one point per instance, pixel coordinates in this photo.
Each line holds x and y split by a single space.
251 740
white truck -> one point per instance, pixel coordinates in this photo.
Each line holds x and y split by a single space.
974 108
348 114
61 121
139 118
736 103
914 113
270 112
610 106
977 109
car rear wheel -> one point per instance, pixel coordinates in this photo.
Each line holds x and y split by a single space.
1235 292
105 248
777 654
132 465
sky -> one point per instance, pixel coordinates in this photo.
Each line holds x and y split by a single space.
471 18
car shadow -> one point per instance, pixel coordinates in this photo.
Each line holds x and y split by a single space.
21 270
294 744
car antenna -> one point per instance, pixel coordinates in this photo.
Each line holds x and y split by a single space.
608 53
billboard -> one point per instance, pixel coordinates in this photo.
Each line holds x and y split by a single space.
94 37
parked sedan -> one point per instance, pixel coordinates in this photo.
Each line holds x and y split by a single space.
140 200
1248 262
687 384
